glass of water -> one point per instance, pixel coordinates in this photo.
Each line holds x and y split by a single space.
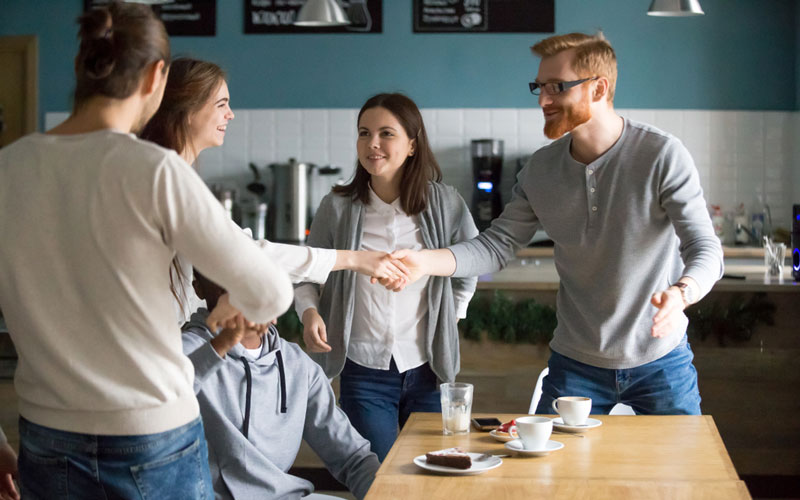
456 407
774 255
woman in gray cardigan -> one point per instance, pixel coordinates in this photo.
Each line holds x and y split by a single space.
391 348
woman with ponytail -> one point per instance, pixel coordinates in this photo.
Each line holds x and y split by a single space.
93 217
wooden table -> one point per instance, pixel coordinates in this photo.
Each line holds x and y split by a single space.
669 457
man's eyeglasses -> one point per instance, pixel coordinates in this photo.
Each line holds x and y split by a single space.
554 88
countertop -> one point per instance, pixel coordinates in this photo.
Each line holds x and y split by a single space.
732 252
535 271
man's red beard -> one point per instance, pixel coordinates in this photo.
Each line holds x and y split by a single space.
570 118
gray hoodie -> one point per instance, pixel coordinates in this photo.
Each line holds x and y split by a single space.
290 399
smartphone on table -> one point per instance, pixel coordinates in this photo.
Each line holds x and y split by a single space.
486 424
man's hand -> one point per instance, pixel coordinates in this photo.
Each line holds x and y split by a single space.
223 315
670 305
314 333
379 265
413 261
229 336
8 471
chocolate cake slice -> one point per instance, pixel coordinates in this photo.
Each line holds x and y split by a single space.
451 457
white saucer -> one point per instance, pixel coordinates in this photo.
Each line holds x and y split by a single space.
591 423
476 468
500 437
516 445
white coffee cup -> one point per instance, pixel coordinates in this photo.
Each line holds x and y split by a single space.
573 409
534 431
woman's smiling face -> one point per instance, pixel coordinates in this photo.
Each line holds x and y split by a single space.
383 144
207 125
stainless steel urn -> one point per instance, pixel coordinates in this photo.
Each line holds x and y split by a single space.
289 204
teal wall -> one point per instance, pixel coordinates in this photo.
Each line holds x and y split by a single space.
743 54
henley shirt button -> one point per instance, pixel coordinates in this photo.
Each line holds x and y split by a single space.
594 209
590 172
592 190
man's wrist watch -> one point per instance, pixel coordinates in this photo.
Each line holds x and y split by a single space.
686 292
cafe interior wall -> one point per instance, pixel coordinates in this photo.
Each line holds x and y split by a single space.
727 84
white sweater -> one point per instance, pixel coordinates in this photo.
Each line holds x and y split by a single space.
89 226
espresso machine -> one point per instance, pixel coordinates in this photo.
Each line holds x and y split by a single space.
796 242
487 167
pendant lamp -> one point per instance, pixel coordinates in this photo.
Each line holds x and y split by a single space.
675 8
321 13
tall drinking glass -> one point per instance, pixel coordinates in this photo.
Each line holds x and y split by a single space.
456 407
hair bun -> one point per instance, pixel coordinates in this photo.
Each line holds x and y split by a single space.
97 41
99 61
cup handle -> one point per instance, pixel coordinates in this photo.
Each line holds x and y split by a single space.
555 405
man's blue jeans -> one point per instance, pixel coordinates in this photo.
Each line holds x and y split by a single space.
377 401
666 386
168 465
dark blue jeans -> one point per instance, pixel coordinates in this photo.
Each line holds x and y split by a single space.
666 386
59 464
378 402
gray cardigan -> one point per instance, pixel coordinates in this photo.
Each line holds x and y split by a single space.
445 221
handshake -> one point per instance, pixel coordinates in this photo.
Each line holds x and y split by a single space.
393 270
400 268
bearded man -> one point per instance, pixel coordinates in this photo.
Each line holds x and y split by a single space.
634 244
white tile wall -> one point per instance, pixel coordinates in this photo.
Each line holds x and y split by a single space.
739 154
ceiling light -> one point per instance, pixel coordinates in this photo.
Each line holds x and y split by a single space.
321 13
675 8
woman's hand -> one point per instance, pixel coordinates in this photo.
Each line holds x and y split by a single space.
314 333
378 265
8 471
413 262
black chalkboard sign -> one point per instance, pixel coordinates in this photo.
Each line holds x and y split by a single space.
197 18
278 16
484 16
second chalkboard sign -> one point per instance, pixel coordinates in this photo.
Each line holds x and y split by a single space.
484 16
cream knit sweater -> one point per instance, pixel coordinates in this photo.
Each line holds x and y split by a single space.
89 225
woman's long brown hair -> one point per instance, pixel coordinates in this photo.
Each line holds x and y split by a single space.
190 85
417 171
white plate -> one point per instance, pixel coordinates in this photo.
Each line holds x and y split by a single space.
591 423
477 467
500 437
516 445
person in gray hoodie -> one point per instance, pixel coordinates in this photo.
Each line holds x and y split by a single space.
260 396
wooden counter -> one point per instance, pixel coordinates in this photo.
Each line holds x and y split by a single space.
728 252
538 273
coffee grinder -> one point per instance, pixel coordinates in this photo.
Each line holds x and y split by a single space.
487 167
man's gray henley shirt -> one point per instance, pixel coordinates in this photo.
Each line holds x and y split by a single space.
625 226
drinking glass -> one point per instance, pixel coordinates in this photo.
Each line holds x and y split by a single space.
456 407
